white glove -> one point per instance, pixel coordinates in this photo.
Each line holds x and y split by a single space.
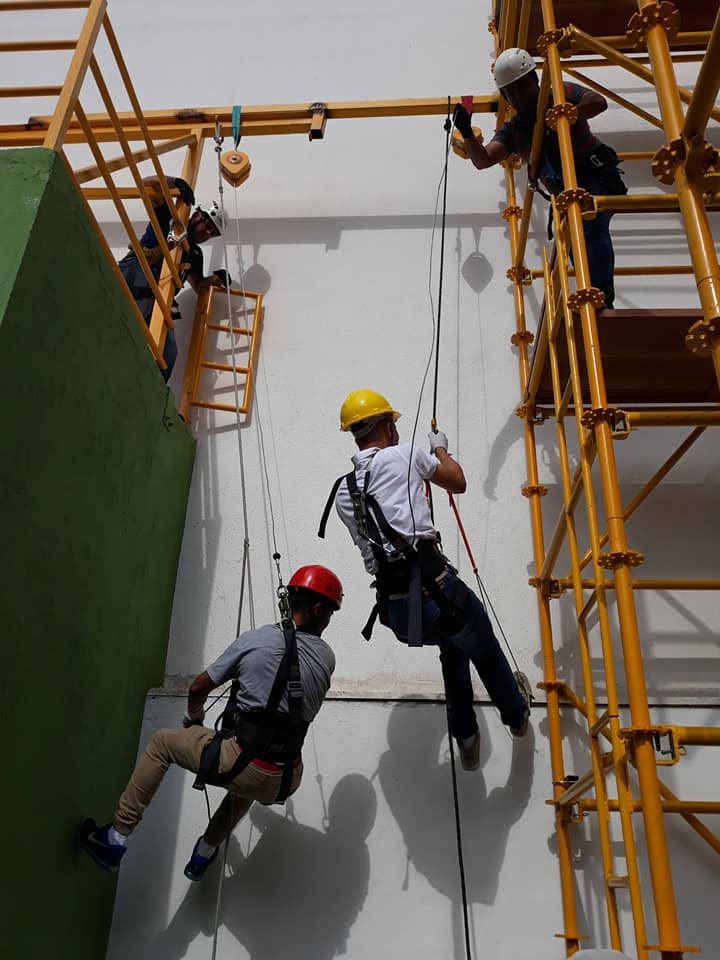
437 440
195 718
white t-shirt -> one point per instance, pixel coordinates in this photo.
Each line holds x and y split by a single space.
400 497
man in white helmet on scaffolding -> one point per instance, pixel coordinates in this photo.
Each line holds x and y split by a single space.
205 223
419 594
596 163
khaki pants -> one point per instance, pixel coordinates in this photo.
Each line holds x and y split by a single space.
183 747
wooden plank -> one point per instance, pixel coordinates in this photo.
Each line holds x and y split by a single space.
644 358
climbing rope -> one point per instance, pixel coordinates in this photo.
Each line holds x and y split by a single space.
435 350
246 571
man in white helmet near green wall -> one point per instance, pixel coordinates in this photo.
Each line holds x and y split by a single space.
205 223
595 162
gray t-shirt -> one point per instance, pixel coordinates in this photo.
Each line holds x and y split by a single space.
254 659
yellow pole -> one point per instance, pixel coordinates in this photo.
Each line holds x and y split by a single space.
619 557
534 490
706 87
599 597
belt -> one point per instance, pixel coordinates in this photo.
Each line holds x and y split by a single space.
403 596
268 764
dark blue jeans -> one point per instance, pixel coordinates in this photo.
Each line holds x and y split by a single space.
601 181
475 642
142 295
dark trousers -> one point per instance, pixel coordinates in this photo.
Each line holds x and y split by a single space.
601 181
142 295
475 643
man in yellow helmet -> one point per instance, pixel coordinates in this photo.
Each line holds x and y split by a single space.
419 594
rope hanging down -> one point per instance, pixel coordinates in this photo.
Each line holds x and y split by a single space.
436 347
245 575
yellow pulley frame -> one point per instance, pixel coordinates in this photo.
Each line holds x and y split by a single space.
235 167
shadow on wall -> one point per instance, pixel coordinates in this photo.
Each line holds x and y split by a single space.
417 754
286 899
690 857
676 531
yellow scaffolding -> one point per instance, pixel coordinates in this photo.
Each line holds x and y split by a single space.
648 363
579 363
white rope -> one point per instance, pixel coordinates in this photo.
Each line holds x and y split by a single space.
246 570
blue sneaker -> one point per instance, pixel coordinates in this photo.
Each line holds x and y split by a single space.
197 865
94 841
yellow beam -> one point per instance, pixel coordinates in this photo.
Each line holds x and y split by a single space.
65 107
615 97
667 584
16 5
602 47
25 46
119 163
706 87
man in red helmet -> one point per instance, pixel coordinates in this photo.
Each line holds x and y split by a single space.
280 675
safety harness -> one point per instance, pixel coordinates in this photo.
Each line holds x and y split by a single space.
263 734
408 572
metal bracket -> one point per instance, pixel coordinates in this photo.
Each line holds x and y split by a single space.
534 490
620 425
562 38
576 195
522 336
633 558
550 587
668 157
553 115
665 15
591 418
700 336
317 123
519 275
511 211
513 161
536 414
585 295
700 158
665 740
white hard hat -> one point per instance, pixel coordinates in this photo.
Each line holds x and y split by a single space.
213 212
600 953
511 65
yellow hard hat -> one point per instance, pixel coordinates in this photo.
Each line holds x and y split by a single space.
361 405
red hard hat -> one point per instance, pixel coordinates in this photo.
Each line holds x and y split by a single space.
319 580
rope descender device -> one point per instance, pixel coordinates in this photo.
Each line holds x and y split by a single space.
282 593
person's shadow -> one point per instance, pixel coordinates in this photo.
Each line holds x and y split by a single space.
287 898
416 781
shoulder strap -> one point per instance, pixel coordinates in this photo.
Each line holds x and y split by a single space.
330 502
295 700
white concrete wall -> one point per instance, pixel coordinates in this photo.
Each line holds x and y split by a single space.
337 235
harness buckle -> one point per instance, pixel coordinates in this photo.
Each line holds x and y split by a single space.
596 161
295 689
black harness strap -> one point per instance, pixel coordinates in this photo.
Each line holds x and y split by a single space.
411 571
260 732
329 505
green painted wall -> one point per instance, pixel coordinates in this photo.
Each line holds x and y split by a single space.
94 475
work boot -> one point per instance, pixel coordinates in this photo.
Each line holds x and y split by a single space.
526 693
470 752
94 841
523 728
197 865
